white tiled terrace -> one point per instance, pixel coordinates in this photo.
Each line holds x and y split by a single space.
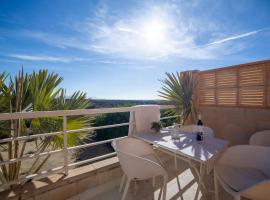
182 185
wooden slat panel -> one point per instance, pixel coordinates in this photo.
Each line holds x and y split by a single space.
227 96
207 97
267 73
251 96
251 75
242 85
267 83
227 78
207 80
268 96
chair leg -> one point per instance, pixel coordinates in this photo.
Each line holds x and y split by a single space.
175 162
122 183
160 192
136 186
154 181
216 185
126 189
165 187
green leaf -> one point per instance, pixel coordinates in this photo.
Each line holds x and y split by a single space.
178 89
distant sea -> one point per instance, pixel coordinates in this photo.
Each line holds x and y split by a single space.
107 103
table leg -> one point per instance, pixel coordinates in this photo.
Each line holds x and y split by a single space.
122 183
216 185
175 162
200 173
200 183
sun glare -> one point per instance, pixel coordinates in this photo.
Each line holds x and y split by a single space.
153 33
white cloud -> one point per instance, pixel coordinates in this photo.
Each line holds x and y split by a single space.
235 37
59 41
168 33
151 33
106 61
152 36
45 58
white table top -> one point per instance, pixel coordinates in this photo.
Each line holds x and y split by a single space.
187 146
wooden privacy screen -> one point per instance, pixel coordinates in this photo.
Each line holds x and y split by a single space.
241 85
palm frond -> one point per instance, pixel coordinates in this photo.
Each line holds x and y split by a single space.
38 91
178 89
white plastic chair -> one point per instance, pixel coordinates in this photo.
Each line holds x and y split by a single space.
207 131
139 162
261 138
244 170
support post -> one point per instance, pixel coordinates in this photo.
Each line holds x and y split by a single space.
65 144
131 123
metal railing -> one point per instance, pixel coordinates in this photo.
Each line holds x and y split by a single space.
65 150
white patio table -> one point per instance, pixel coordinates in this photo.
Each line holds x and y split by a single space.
188 149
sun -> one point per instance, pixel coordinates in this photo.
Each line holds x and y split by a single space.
154 33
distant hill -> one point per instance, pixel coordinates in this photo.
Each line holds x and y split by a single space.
105 103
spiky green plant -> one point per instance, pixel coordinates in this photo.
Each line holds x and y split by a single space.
178 89
38 91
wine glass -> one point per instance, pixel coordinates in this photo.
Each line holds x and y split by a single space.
174 132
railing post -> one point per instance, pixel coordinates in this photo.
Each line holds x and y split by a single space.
131 123
65 144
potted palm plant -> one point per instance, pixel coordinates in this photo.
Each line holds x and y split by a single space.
179 89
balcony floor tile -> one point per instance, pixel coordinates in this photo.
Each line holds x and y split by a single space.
182 185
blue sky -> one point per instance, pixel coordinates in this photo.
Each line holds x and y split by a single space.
121 49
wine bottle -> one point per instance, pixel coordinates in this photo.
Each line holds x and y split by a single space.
199 123
200 132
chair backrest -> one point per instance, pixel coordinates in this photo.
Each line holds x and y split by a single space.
260 138
132 146
139 167
250 156
208 132
143 116
130 151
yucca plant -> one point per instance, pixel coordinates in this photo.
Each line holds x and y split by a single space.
38 91
179 89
